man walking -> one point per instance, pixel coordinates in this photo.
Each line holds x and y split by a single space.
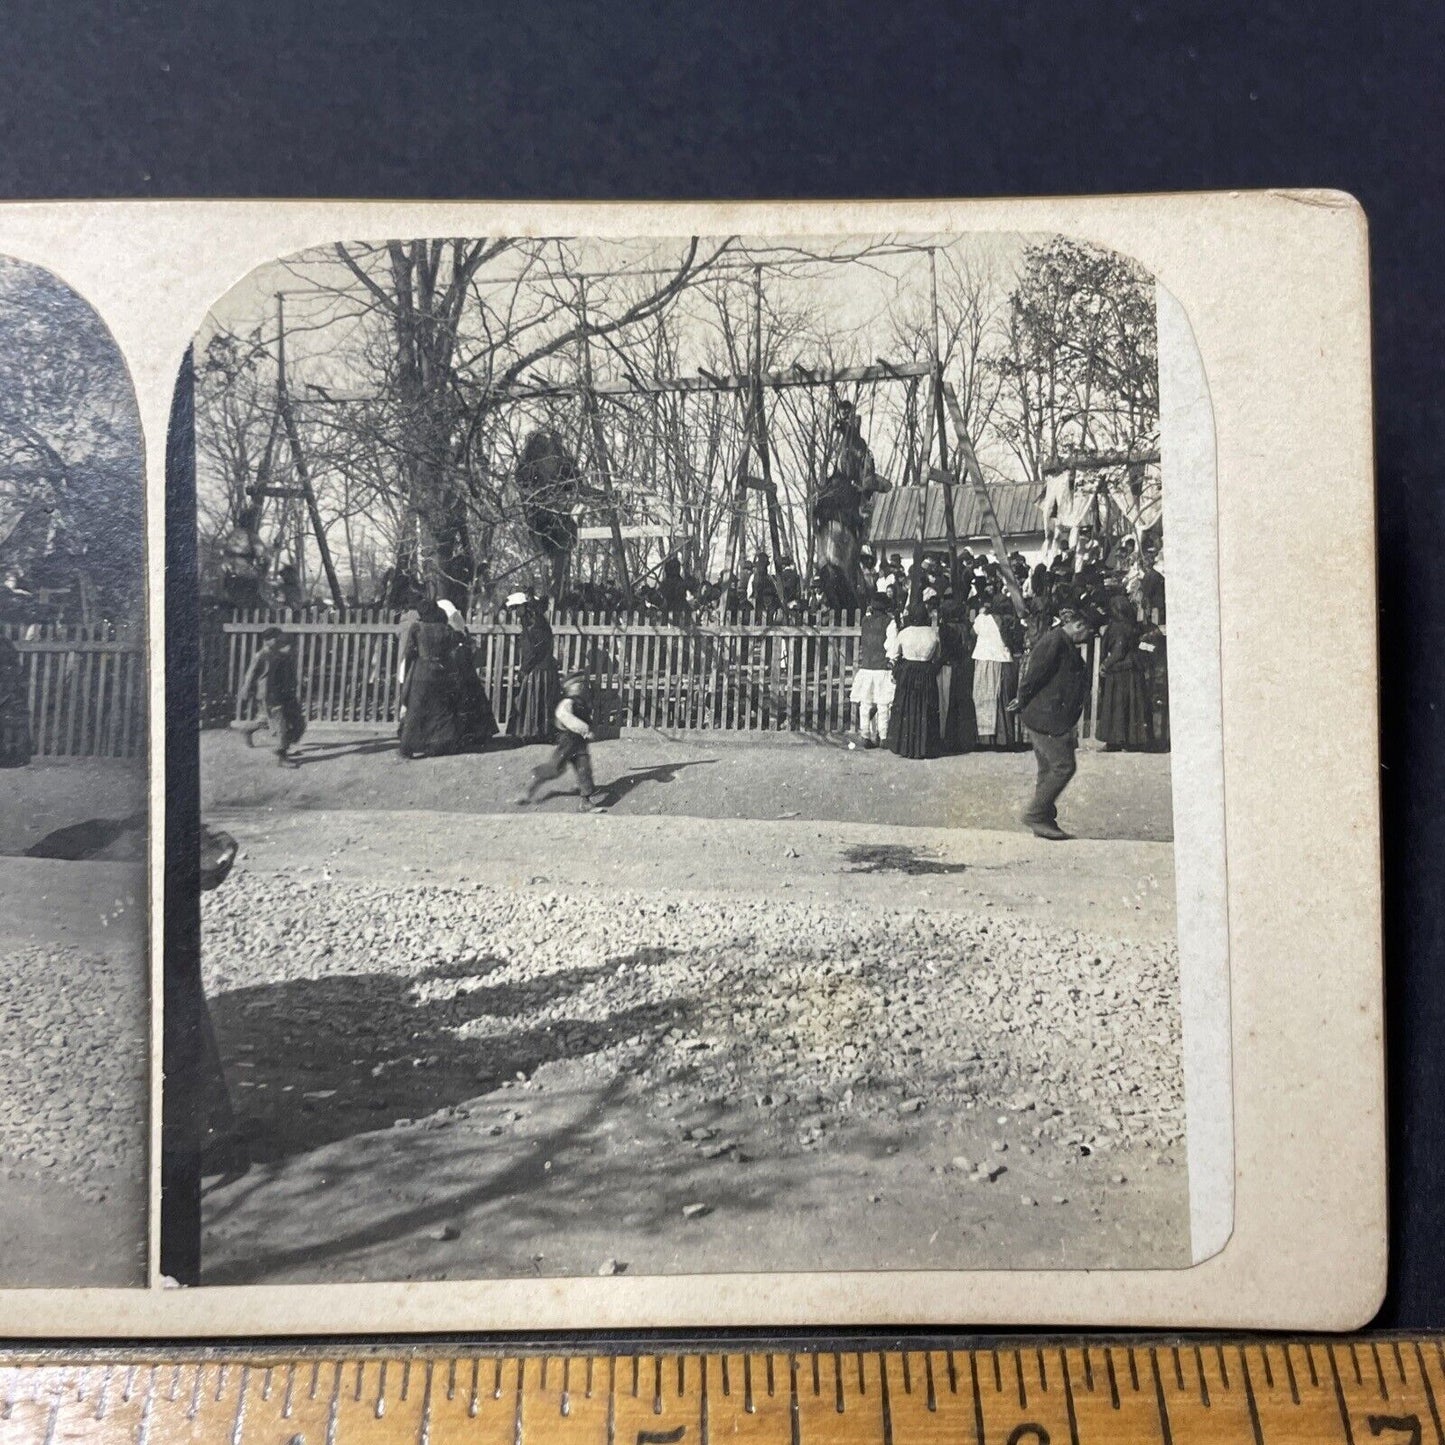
1050 701
273 673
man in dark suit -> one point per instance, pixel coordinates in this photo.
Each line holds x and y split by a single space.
1050 701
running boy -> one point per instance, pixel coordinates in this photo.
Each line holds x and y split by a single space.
273 672
573 731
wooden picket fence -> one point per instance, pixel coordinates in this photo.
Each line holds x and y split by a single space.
86 688
738 676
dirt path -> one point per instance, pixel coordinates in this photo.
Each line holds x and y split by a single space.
828 1034
1116 796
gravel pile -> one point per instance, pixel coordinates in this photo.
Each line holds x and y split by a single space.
808 1011
73 1061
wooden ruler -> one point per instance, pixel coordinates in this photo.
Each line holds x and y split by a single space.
1023 1393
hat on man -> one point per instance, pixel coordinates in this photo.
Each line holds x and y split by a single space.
517 599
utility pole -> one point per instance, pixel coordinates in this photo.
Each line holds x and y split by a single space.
938 418
599 451
298 457
760 425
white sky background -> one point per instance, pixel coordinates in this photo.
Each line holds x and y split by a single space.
858 300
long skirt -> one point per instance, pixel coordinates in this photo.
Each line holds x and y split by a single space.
433 722
960 723
1124 720
995 685
538 693
1156 692
913 730
478 721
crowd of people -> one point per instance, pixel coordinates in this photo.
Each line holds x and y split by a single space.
948 662
958 626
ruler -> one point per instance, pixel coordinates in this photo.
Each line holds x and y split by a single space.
1021 1393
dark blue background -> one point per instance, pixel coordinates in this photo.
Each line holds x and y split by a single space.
616 100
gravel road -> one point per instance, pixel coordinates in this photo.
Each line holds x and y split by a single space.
886 1067
74 1104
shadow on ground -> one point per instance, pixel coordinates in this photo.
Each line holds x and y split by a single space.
895 858
311 1061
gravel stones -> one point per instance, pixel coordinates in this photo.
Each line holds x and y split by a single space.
73 1060
810 1011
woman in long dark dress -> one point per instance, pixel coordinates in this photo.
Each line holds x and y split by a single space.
955 651
1124 720
478 720
539 684
16 746
913 729
433 723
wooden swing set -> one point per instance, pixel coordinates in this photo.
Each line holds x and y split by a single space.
752 387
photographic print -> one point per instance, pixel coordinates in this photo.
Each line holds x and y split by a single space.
74 992
687 761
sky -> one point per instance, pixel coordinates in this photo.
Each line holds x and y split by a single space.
860 298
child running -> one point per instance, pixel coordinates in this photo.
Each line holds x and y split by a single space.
273 672
572 730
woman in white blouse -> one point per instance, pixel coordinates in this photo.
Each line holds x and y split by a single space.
913 730
995 680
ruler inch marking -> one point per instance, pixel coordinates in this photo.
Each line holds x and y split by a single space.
704 1409
1430 1395
424 1430
1203 1383
1340 1394
1249 1400
102 1396
144 1400
238 1423
884 1405
794 1428
147 1412
517 1404
1069 1397
1166 1434
53 1421
977 1396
